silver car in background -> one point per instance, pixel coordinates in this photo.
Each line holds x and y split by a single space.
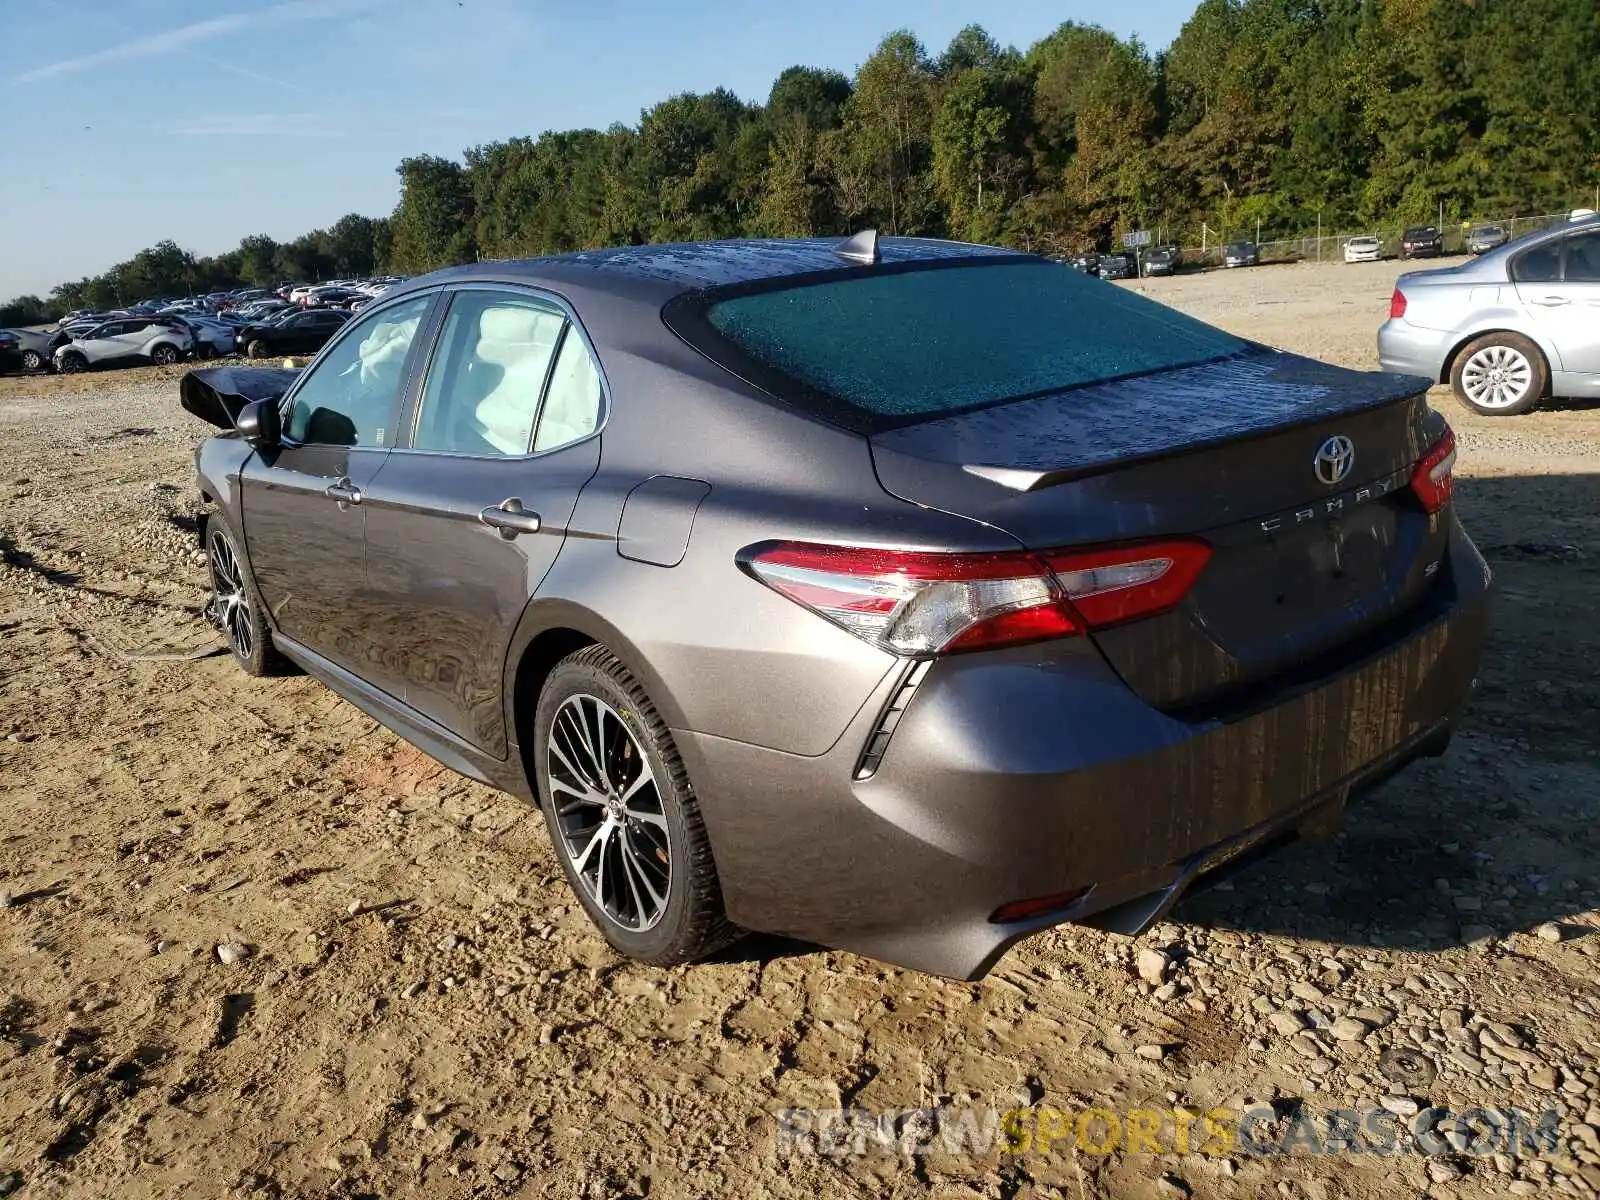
1485 238
1507 329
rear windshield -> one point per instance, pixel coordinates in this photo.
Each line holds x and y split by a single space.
893 348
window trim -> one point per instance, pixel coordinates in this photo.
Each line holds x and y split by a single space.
427 329
405 430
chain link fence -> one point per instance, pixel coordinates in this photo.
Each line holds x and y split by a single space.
1330 247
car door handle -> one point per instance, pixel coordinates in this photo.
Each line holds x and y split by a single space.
344 492
1551 301
510 518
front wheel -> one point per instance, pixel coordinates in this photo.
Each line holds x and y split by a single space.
236 609
72 363
622 814
1500 375
256 349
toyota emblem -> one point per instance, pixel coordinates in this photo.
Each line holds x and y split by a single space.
1334 459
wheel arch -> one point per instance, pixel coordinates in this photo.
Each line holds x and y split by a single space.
551 629
1466 340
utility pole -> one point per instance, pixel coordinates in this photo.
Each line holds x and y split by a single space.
1319 235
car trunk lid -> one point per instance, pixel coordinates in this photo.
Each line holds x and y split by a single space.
1304 559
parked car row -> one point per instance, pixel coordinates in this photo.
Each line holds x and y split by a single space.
294 318
1157 260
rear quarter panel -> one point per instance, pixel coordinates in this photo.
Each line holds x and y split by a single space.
718 651
1470 306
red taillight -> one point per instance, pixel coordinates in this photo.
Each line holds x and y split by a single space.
921 602
1434 480
1397 305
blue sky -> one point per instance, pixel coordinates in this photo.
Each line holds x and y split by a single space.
205 121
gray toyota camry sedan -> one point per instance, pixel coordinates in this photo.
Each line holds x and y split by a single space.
903 596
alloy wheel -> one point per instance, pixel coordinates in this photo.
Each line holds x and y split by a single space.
232 604
608 809
1497 377
31 360
164 356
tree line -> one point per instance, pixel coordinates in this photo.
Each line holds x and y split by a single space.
1269 111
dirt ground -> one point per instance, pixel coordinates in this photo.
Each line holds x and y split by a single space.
421 1009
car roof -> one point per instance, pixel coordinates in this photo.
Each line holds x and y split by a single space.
663 270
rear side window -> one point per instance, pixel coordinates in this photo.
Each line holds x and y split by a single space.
1542 264
883 349
482 395
572 402
1583 258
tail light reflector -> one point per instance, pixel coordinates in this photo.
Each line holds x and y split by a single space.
1433 480
1397 305
917 602
1022 910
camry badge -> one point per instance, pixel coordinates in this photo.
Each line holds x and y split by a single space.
1334 459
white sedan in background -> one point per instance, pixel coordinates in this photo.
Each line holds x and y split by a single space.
1363 249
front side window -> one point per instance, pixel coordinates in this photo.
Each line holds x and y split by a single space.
349 397
883 349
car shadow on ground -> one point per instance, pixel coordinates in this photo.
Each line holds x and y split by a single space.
1500 833
1567 404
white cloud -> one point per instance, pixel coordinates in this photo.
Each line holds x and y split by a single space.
158 45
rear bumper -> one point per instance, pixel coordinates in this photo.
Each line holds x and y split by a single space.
1036 772
1409 349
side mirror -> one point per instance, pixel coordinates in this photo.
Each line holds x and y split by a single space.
260 424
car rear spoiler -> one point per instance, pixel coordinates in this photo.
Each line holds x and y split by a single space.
217 395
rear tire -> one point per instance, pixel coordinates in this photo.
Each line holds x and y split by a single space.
236 606
73 363
622 814
164 355
32 360
1500 375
